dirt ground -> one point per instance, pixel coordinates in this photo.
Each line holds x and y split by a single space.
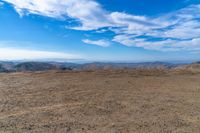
99 102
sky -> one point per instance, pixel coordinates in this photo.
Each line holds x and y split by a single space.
100 30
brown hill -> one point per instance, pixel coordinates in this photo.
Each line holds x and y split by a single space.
189 68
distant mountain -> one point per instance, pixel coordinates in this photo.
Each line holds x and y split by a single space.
2 69
145 65
34 66
6 66
65 65
194 68
44 66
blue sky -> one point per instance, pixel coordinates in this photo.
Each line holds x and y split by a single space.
100 30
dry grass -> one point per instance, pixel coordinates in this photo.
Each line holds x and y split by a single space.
100 102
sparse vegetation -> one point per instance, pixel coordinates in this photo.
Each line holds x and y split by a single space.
103 101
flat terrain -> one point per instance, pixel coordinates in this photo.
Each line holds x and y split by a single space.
99 102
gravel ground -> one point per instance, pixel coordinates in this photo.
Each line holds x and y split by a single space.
99 102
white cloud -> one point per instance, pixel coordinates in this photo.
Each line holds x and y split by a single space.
162 45
186 30
50 8
174 29
88 12
102 42
23 54
178 30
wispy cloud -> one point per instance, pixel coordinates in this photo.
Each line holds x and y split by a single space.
102 42
162 45
88 12
24 54
172 31
1 3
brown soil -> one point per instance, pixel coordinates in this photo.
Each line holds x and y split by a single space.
99 102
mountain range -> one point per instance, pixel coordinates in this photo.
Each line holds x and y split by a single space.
45 66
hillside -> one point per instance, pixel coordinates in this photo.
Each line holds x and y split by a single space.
189 68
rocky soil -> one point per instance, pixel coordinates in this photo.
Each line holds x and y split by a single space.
99 102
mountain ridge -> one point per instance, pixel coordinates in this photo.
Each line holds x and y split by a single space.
45 66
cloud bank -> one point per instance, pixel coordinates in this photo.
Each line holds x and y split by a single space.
178 30
19 54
